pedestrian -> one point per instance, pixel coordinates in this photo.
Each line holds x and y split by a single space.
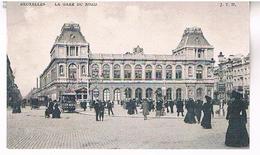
159 107
171 104
134 102
101 110
207 111
145 106
50 107
84 105
166 105
110 108
198 110
96 107
179 105
190 115
237 135
56 112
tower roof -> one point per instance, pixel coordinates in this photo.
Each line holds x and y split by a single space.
70 33
193 37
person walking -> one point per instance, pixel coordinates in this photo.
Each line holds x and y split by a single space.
171 104
56 112
198 110
145 106
159 107
190 116
237 135
96 107
101 110
166 105
179 105
207 111
110 108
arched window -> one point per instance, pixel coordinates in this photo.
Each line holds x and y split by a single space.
138 72
209 72
106 71
190 94
169 94
72 72
190 72
127 72
158 72
148 72
199 93
117 95
128 93
61 70
138 93
95 93
199 72
106 94
117 72
178 93
83 70
95 70
178 72
149 93
168 72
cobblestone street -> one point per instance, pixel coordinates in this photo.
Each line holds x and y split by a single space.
30 130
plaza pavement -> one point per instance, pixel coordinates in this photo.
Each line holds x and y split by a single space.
30 130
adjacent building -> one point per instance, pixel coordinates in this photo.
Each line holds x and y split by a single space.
186 71
232 73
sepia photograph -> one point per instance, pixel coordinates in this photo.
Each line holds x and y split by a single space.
128 75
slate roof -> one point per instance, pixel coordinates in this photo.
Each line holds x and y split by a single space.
70 33
193 37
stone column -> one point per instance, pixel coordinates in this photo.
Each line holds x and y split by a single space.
122 70
111 70
164 71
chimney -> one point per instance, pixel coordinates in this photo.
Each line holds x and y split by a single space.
221 57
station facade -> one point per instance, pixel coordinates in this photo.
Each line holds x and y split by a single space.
186 71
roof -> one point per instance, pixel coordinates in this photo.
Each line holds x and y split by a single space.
193 37
70 33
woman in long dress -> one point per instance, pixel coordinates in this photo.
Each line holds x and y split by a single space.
237 135
207 109
190 116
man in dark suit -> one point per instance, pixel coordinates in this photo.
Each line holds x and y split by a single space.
110 108
101 110
96 107
171 104
179 106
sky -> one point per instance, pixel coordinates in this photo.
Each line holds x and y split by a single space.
118 27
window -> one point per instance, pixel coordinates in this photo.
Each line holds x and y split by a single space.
72 72
158 72
168 72
169 94
200 52
117 72
106 95
178 93
178 72
158 93
95 71
67 50
61 70
199 72
83 70
149 93
117 94
127 72
128 93
138 72
106 71
190 72
148 72
72 50
77 52
138 93
209 72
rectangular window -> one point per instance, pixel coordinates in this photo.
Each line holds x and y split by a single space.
138 74
127 75
67 50
77 53
148 75
168 75
72 51
158 75
117 74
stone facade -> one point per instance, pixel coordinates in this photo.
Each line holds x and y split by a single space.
232 73
186 72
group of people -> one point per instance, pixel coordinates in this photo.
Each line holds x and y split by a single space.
100 106
52 108
195 109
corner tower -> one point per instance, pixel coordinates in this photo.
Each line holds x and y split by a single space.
193 45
